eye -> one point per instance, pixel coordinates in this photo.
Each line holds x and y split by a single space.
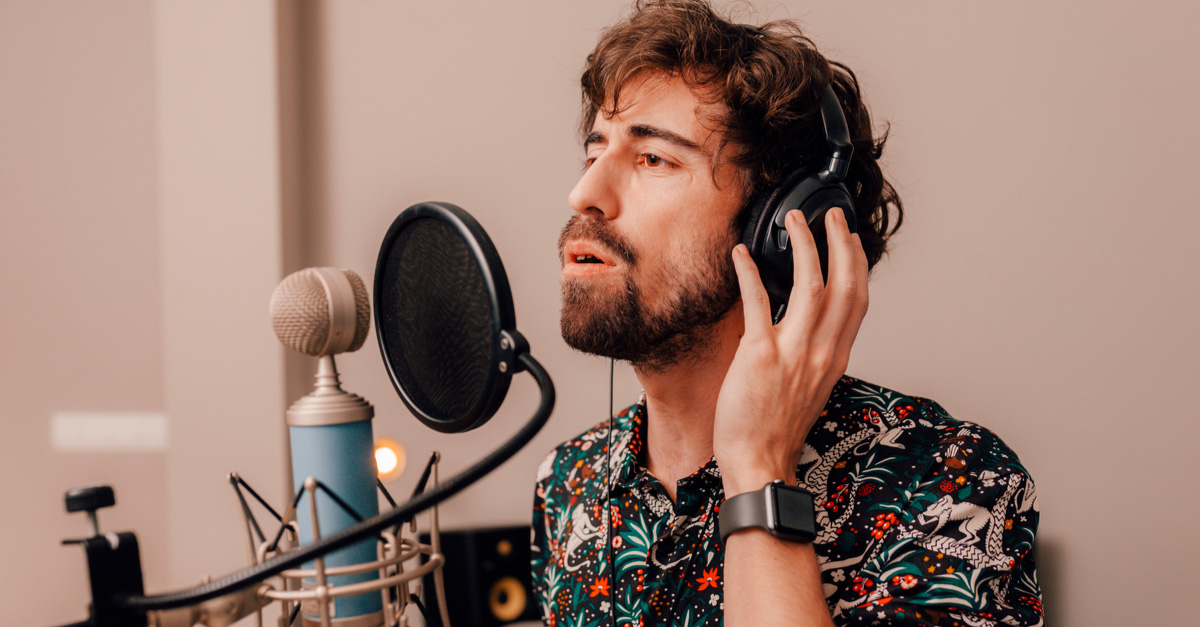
589 159
654 161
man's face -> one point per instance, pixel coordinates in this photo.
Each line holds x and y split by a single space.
646 259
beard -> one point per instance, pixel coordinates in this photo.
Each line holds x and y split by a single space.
620 324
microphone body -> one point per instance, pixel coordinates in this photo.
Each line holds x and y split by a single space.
332 441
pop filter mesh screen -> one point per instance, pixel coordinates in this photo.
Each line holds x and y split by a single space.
438 319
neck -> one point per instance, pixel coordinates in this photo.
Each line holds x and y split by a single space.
681 403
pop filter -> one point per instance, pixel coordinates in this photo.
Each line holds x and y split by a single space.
444 317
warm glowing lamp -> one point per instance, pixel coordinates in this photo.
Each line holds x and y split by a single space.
390 458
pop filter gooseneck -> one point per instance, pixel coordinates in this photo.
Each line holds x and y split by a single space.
446 328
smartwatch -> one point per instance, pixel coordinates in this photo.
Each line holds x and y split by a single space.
783 510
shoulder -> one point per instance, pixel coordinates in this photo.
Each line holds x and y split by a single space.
566 472
579 450
914 428
917 506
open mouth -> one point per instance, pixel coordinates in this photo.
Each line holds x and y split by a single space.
582 258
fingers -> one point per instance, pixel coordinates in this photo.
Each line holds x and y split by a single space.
807 285
824 316
842 288
756 305
861 299
846 295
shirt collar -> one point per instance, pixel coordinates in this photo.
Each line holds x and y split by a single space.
629 437
628 461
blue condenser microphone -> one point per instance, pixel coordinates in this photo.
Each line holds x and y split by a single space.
323 312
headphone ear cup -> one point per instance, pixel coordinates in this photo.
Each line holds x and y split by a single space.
751 232
760 236
767 240
757 236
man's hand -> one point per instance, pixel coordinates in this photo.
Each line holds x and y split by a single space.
782 375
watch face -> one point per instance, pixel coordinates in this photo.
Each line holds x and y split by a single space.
794 512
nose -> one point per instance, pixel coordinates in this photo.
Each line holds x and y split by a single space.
595 193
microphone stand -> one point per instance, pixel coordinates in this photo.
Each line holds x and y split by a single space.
119 601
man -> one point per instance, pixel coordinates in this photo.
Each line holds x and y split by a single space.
919 518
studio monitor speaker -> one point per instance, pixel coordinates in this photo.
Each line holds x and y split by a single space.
487 577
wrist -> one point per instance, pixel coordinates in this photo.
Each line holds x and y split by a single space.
741 480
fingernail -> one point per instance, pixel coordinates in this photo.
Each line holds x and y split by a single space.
794 216
838 216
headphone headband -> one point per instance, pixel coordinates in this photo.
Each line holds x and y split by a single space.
837 137
837 132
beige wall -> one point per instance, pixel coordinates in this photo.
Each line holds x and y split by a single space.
221 207
80 311
142 218
1043 284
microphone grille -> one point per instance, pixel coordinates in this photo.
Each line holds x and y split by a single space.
362 311
302 315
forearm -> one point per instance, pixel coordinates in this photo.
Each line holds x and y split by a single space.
772 582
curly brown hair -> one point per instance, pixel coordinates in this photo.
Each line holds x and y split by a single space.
769 80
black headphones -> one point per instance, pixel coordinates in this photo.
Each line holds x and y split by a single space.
812 192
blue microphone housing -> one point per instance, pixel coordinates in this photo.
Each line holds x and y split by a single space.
332 442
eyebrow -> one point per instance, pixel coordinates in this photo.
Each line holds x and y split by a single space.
647 131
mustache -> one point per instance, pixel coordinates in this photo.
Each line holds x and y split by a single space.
597 230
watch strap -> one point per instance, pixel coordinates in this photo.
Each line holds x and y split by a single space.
744 511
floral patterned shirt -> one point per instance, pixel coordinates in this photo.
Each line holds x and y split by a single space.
921 520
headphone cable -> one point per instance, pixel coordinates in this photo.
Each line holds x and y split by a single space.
612 608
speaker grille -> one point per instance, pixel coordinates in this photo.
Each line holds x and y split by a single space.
438 324
487 576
